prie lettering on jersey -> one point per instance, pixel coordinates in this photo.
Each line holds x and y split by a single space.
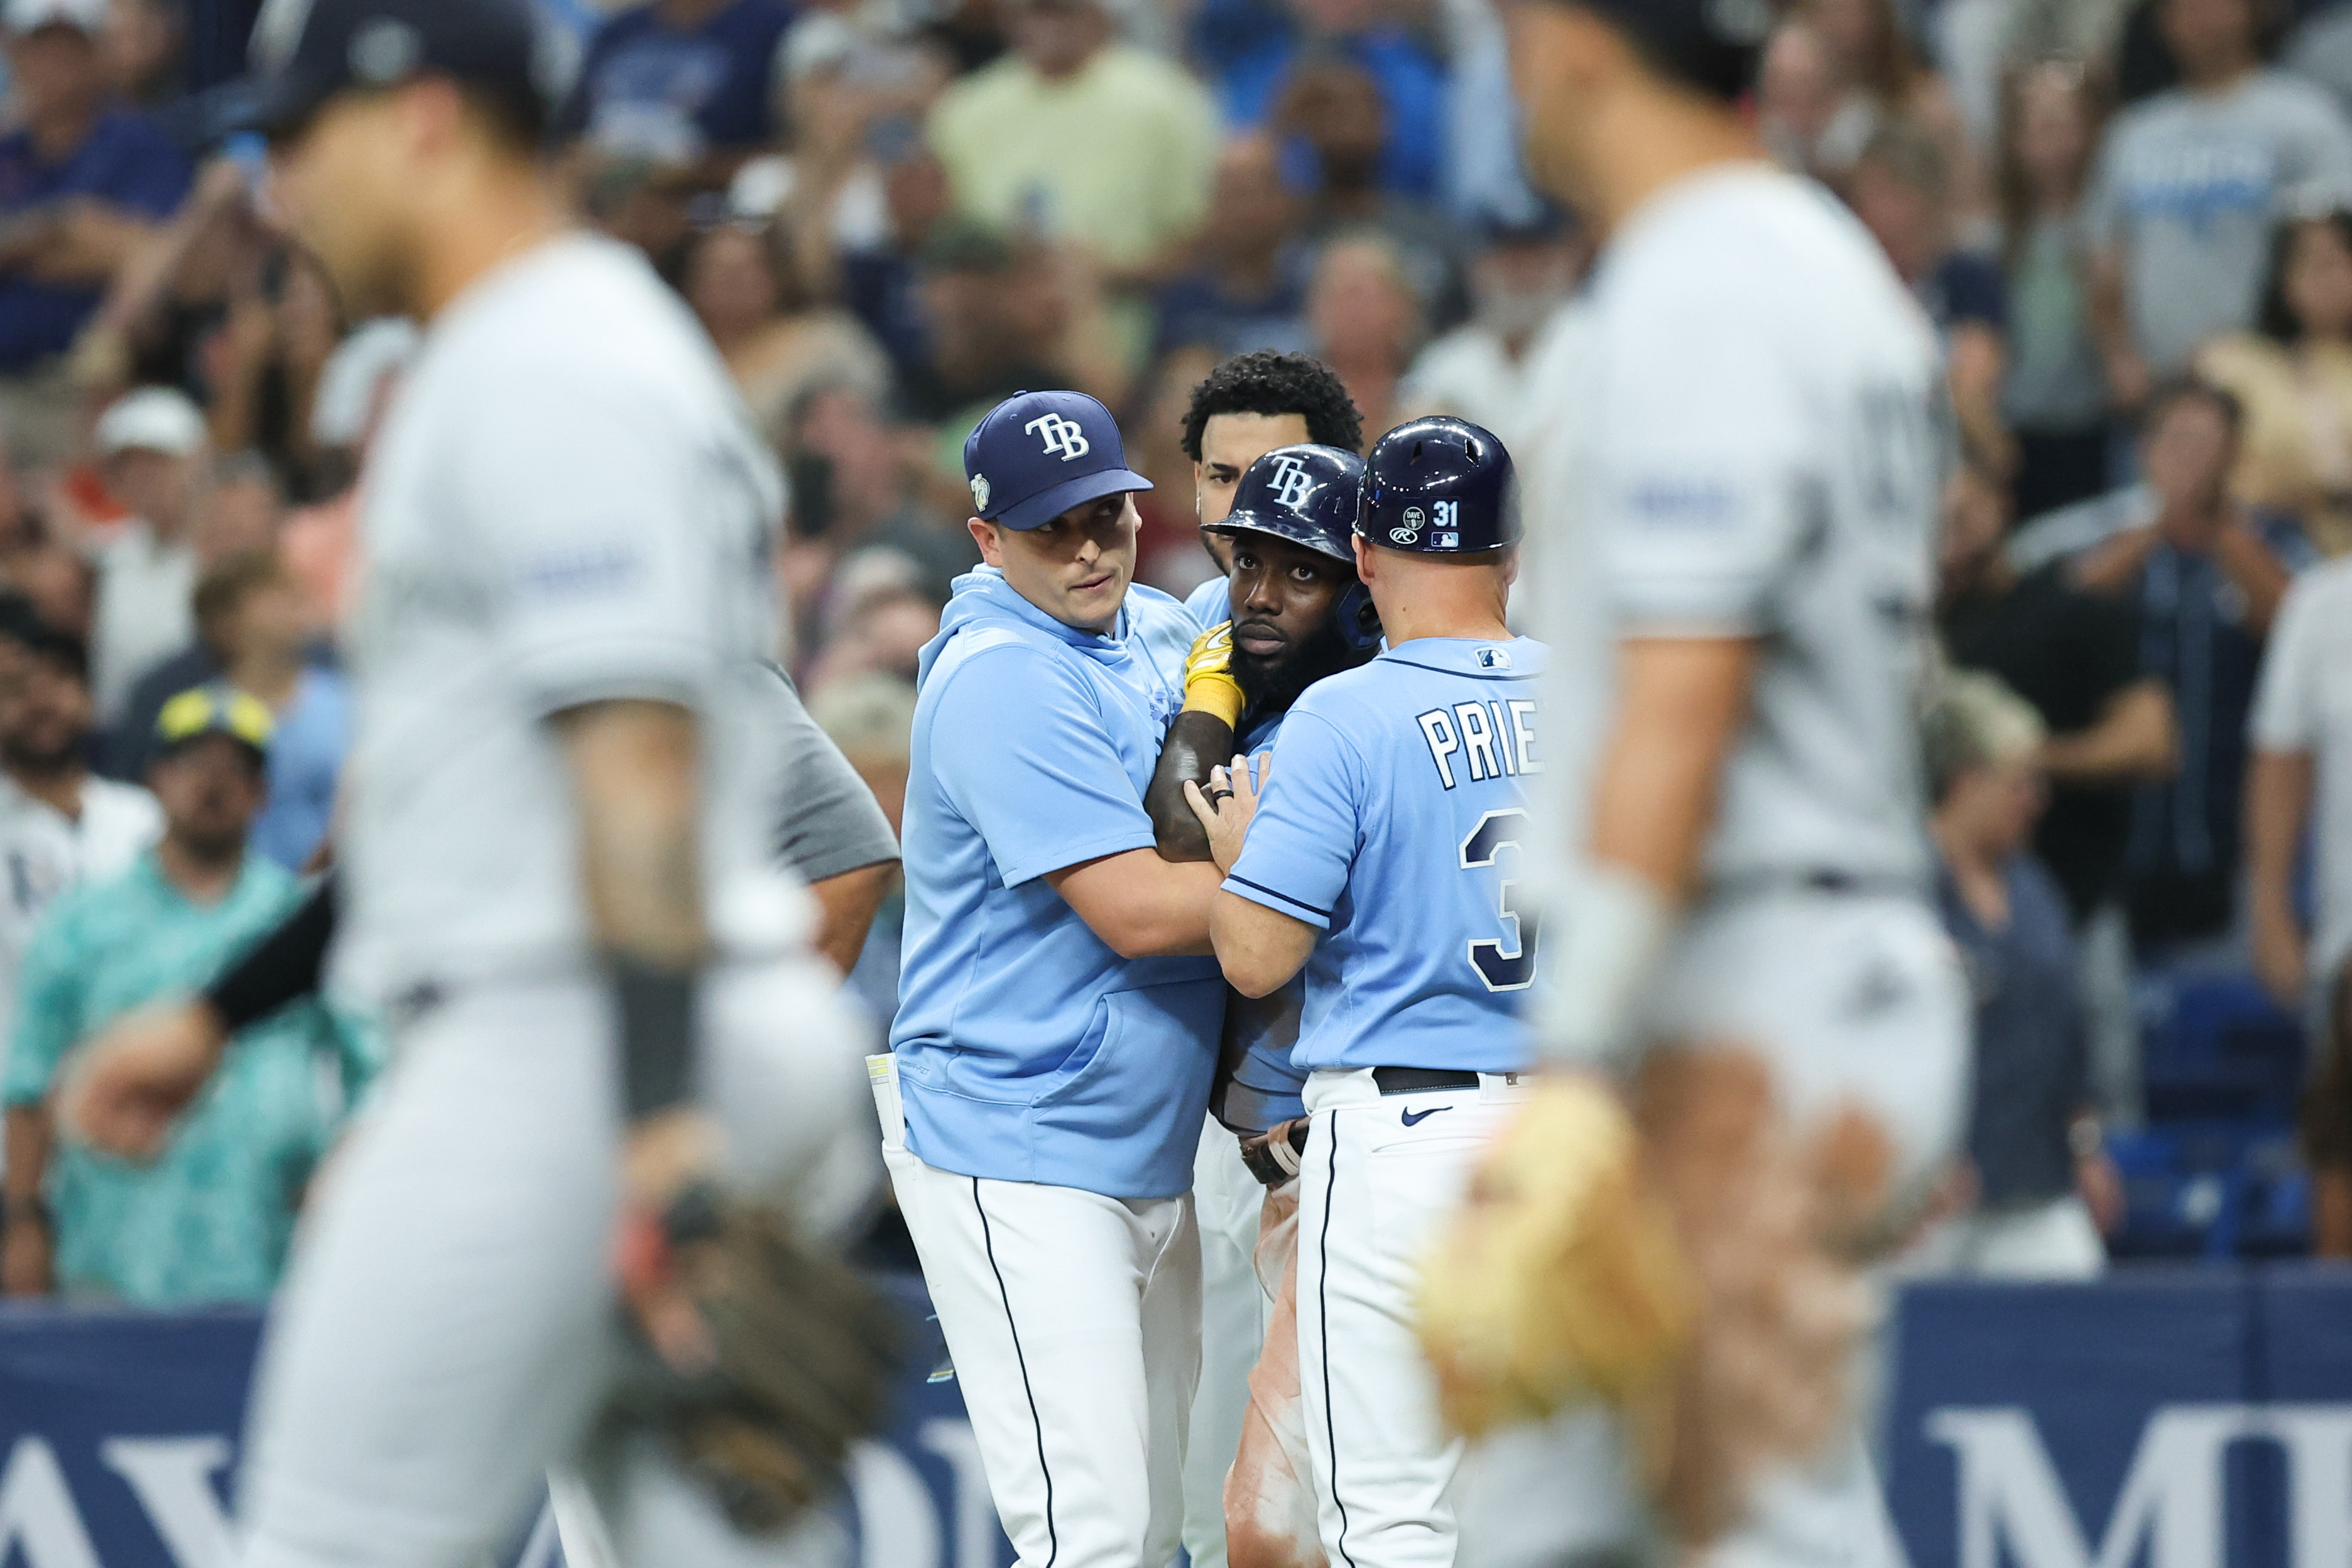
1481 740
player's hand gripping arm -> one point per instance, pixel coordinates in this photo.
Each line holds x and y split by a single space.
1680 702
634 775
1202 736
1259 949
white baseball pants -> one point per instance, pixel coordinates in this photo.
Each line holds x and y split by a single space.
1234 1309
1073 1321
447 1328
1379 1173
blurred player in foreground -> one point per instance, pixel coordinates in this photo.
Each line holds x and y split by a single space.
1740 453
557 862
1381 864
1298 613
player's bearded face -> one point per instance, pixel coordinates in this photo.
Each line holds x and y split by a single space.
1075 568
1285 636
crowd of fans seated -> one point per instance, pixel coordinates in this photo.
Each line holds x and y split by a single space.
2129 220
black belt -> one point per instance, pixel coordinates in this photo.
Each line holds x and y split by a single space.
1821 880
1420 1080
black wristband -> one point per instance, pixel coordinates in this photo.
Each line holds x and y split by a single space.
657 1010
282 966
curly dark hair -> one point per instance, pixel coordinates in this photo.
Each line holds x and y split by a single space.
1266 381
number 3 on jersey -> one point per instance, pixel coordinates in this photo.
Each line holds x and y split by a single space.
1507 964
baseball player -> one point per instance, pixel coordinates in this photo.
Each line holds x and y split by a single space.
1383 864
1297 614
1243 409
1739 456
1058 1017
556 859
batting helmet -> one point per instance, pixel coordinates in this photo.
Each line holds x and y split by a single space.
1308 495
1439 487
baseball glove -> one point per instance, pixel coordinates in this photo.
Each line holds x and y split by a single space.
1561 1281
799 1357
1209 683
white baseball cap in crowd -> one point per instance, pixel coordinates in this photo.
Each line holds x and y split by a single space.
26 16
152 419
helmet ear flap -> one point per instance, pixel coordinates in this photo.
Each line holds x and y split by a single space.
1359 619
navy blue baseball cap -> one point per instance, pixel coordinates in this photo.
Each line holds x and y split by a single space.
1038 453
304 52
1306 494
1713 45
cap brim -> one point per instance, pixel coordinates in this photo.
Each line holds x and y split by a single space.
262 106
1241 520
1047 505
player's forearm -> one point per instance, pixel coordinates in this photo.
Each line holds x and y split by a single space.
1680 704
1197 742
847 904
1139 905
1258 948
26 1146
2134 739
635 779
2278 798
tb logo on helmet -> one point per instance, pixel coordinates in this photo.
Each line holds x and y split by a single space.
1064 437
1294 485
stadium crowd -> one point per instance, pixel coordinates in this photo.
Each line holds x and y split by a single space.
2130 220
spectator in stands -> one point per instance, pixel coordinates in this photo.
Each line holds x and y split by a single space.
1332 116
1261 88
2044 1187
882 283
1520 277
1000 317
1073 136
2300 778
2186 182
697 76
262 368
2293 376
2054 399
877 626
207 1221
146 46
777 342
1367 322
1876 78
256 616
2206 577
1901 188
1797 106
1246 286
84 184
852 491
59 827
150 446
2327 1128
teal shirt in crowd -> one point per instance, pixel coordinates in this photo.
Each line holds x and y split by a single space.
208 1222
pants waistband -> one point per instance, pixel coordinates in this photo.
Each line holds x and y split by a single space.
1420 1080
1819 879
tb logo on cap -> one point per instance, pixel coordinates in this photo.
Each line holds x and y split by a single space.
1064 438
1294 485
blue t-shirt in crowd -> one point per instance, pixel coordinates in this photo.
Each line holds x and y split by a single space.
2032 1070
1028 1050
124 162
1412 91
1197 311
1964 289
644 81
1393 820
305 755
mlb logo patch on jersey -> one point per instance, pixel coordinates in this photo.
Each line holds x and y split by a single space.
1494 658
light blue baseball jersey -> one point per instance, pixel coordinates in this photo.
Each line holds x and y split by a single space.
1393 820
1211 604
1027 1049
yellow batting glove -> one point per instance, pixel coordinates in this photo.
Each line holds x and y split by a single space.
1209 683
